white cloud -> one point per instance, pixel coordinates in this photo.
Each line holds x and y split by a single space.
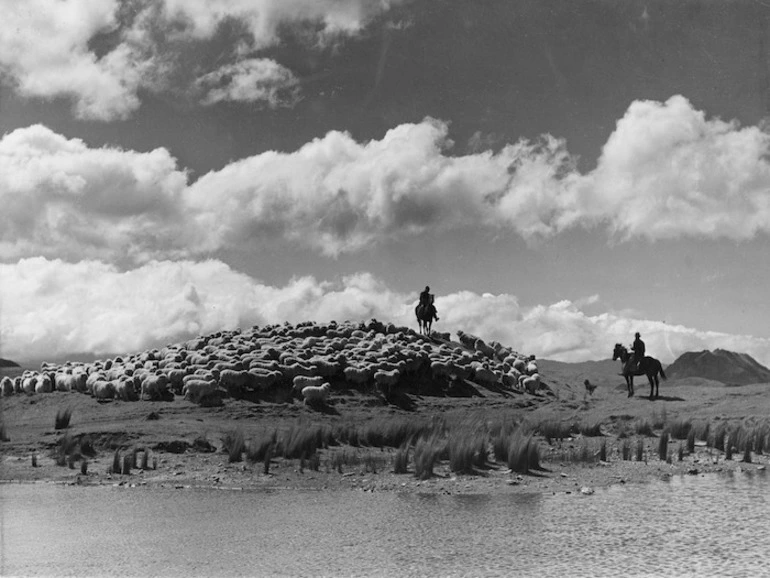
252 80
47 47
61 198
51 308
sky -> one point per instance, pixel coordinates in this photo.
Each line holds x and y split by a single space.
561 174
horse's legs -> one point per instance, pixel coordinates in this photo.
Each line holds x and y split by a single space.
630 384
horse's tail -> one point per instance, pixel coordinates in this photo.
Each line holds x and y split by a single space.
660 369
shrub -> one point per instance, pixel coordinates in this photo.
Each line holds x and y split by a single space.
62 420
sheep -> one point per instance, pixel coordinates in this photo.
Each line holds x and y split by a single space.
71 381
124 389
6 386
154 387
196 390
316 393
386 380
300 382
264 378
234 381
531 383
29 383
520 365
358 375
531 368
485 376
104 389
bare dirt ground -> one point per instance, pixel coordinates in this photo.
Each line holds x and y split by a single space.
184 441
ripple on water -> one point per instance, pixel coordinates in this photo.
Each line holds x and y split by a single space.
686 526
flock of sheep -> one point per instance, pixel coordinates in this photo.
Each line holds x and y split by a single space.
301 361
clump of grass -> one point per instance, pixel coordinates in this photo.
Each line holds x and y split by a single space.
590 429
145 459
390 432
643 428
659 419
718 439
127 465
34 460
234 444
66 448
62 420
258 448
702 430
639 450
314 462
680 452
679 429
524 454
3 433
84 467
552 430
267 458
747 453
663 446
301 440
625 449
401 460
465 452
425 457
603 451
691 441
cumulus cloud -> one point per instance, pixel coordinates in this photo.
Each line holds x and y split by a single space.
51 309
61 198
252 80
102 54
666 171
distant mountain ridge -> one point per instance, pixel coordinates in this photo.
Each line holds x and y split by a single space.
728 367
8 363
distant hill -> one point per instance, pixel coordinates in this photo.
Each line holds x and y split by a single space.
8 363
727 367
603 373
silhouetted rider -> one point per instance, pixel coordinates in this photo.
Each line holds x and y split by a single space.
426 300
638 348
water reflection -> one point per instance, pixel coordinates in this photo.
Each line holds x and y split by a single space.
687 526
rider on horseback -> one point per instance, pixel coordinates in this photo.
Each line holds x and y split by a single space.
426 300
638 349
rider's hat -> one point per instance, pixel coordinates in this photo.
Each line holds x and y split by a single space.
637 334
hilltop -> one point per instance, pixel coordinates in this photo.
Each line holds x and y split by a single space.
7 363
723 366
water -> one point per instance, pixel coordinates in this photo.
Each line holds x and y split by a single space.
688 526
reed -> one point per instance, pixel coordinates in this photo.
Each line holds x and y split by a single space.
663 446
62 420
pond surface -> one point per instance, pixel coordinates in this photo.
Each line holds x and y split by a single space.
688 526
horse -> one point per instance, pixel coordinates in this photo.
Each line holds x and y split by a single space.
425 314
652 368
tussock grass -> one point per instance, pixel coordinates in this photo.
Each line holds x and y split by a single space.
392 432
127 465
679 429
747 453
34 460
659 419
66 450
717 438
603 451
680 452
702 430
467 452
401 460
426 454
84 467
234 444
145 460
303 440
639 450
257 448
691 441
3 433
625 449
554 430
590 429
663 446
62 420
643 427
523 454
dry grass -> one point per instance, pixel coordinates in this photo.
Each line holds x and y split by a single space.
258 447
62 420
663 446
234 444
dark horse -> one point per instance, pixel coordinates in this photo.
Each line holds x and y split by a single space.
651 368
425 314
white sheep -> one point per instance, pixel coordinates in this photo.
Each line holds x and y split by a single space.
316 393
300 382
196 389
264 378
29 383
154 386
6 386
104 389
124 388
234 381
530 383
